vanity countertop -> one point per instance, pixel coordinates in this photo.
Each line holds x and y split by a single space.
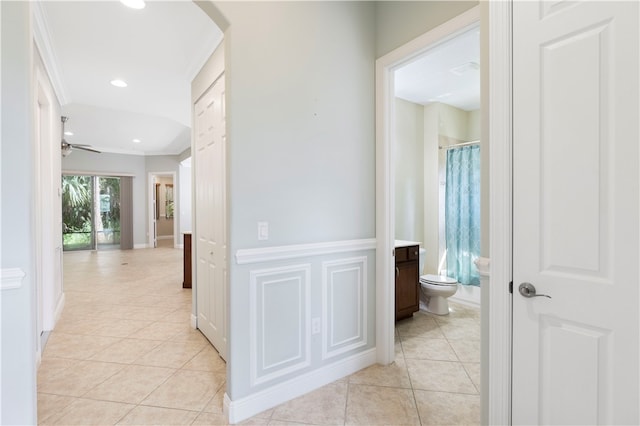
403 243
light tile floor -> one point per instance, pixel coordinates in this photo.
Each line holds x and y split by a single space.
123 352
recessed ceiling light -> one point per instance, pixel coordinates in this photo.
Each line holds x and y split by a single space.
136 141
134 4
68 133
119 83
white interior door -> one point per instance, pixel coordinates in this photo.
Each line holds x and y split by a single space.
210 213
576 214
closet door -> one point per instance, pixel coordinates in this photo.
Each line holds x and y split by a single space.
210 214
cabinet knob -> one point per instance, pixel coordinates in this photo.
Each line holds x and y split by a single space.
397 272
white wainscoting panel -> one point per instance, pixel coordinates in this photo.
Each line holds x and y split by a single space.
280 321
344 305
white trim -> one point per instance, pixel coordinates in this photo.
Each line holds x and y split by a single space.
330 348
91 173
244 408
12 278
42 38
276 253
194 321
59 307
141 246
497 369
385 169
259 371
164 237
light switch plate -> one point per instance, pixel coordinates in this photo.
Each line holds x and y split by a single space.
315 326
263 231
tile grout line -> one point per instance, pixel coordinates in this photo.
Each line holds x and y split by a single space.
406 366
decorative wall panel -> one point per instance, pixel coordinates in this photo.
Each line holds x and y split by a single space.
280 317
344 295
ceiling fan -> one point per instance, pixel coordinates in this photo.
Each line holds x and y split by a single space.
68 147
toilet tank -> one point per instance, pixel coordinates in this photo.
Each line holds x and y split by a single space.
423 255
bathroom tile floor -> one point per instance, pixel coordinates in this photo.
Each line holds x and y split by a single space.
123 352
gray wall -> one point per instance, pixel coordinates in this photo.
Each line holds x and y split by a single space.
409 179
89 162
301 148
398 22
18 399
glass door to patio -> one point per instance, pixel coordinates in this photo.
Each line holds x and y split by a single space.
90 212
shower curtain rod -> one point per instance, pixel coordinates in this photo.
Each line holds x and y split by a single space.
459 144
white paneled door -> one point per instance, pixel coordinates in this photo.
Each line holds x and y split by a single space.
576 212
210 212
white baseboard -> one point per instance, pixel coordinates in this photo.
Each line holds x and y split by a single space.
179 246
194 321
244 408
467 295
59 308
141 246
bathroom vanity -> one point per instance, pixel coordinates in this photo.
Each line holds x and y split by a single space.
407 279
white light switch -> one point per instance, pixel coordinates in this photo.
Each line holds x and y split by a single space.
263 231
315 326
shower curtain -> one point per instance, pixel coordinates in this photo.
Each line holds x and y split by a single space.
462 213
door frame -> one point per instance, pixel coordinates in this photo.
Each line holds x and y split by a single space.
495 17
152 212
496 365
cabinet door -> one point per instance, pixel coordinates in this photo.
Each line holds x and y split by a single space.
407 297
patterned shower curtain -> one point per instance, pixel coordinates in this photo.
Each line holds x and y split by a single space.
462 213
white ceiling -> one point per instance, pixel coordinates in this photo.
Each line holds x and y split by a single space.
436 77
156 50
159 49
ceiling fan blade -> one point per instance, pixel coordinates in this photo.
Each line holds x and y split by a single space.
86 149
75 145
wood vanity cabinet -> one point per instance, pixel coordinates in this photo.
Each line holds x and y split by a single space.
186 261
407 281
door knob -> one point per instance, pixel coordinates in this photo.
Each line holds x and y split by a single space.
528 290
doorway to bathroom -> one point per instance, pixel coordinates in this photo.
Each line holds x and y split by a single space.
437 163
391 195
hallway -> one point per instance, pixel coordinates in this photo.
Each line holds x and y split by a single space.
123 352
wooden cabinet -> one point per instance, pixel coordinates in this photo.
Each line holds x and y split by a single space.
187 261
407 281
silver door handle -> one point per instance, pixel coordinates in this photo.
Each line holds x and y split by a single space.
528 290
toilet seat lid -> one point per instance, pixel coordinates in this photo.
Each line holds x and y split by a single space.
437 279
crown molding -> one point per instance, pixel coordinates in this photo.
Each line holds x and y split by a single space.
42 39
206 50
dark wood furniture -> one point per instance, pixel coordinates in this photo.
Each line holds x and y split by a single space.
187 261
407 281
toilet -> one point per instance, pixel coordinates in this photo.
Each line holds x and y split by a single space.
436 289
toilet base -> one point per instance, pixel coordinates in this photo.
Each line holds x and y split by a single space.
437 305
